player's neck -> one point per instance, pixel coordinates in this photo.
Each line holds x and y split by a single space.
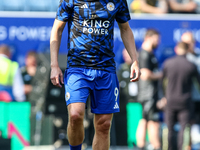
147 46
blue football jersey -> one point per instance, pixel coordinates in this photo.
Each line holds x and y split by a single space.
90 27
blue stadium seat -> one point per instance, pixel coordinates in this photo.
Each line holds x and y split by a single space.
1 7
13 5
54 5
39 5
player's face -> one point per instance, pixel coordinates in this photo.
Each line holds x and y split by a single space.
155 41
188 38
31 61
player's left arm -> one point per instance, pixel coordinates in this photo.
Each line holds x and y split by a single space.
129 43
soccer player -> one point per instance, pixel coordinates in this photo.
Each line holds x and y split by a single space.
148 91
28 72
90 66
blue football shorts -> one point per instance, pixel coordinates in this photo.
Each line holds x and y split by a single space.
102 86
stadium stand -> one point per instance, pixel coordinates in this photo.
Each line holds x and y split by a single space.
13 5
29 5
43 5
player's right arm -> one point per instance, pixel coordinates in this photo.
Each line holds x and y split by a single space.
55 39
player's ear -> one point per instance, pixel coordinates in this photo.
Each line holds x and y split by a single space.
176 49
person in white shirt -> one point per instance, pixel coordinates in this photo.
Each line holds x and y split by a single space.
193 57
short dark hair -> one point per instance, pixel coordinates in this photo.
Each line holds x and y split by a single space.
4 49
151 32
31 53
183 45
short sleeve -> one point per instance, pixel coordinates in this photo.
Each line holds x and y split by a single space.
144 60
123 14
164 70
65 10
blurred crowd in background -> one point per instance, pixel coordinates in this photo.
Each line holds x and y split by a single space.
164 6
136 6
154 92
169 96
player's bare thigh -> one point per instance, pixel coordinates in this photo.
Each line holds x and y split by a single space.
103 119
76 110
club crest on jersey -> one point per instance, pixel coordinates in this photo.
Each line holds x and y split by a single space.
110 6
67 96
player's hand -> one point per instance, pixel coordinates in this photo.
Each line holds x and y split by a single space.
56 76
161 103
135 70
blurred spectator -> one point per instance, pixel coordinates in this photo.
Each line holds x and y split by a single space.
129 4
29 70
178 72
148 91
188 38
11 83
128 90
182 6
149 6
